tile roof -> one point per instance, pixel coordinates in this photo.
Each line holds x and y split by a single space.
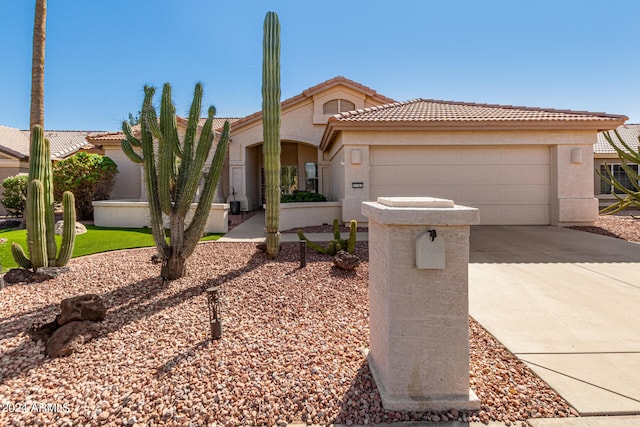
429 110
629 134
14 142
63 142
448 115
308 93
97 138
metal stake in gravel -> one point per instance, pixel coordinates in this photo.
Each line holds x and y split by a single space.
213 305
303 254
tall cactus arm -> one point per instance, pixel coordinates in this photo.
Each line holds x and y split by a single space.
68 229
187 194
166 156
130 142
630 154
128 133
271 130
186 163
40 169
336 229
129 151
19 256
150 175
37 225
195 229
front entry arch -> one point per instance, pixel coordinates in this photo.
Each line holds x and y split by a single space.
299 164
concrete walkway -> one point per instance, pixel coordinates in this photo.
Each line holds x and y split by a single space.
565 302
252 230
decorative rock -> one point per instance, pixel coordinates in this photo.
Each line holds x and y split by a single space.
47 273
80 228
22 275
346 261
69 337
18 275
83 307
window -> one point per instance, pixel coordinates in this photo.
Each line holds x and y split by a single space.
311 177
619 174
288 179
336 106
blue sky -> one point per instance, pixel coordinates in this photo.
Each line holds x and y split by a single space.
580 55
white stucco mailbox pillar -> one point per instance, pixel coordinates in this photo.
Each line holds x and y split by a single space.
419 305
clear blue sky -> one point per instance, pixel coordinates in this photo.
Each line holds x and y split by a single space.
564 54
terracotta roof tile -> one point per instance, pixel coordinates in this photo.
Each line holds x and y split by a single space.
629 133
428 110
339 80
97 138
63 142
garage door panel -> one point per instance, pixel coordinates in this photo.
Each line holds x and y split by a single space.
472 194
462 174
393 156
509 185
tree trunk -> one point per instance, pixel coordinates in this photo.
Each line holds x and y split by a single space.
174 267
37 65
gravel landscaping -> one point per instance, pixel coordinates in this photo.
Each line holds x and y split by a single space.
291 351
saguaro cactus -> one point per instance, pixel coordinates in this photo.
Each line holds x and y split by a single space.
39 212
173 174
271 130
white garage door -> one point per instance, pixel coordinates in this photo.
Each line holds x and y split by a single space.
509 185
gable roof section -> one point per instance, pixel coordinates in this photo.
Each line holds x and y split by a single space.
116 137
15 142
309 93
629 134
450 115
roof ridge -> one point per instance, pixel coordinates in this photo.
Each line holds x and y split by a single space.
518 107
361 111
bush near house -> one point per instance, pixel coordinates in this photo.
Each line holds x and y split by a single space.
14 198
88 176
302 196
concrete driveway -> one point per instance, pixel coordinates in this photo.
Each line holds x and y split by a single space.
567 303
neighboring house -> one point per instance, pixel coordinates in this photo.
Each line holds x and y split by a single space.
14 149
606 157
518 165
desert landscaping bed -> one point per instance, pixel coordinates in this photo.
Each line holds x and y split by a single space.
291 351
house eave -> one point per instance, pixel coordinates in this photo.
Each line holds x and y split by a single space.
334 126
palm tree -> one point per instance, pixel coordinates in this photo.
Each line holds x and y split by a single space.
37 65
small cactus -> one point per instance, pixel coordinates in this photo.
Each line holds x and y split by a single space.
39 212
338 243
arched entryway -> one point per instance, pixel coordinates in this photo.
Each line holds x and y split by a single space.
299 170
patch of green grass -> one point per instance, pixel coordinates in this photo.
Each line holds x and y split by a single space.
96 240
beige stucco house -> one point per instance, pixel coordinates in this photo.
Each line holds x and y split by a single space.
518 165
606 157
14 149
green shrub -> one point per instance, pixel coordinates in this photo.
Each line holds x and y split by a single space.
302 196
14 198
88 176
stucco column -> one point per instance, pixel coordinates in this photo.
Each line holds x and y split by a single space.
572 195
418 299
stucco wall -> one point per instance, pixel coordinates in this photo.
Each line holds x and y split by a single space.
8 167
128 183
566 181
